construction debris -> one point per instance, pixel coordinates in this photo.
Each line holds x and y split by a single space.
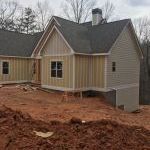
26 87
44 135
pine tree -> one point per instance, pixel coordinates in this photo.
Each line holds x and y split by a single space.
27 22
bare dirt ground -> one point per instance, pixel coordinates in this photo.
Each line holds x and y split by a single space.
48 106
18 131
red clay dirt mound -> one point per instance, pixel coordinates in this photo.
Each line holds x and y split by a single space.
17 132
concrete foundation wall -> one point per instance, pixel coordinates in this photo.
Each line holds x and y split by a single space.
129 98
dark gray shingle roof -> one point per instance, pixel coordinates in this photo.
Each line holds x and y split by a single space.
85 38
17 44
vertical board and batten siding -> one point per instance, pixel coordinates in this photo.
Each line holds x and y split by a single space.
98 72
55 45
19 70
79 71
56 49
82 71
67 80
125 54
89 72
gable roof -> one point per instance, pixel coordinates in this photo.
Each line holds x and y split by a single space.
17 44
88 39
82 38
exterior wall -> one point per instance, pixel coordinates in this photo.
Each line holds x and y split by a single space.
42 41
125 54
125 80
55 83
55 49
98 72
89 72
35 77
129 98
19 70
55 45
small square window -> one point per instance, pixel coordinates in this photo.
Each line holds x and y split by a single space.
113 66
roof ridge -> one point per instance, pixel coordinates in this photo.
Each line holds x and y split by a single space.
108 23
67 20
91 21
115 21
86 22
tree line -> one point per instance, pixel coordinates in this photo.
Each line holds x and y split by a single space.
17 18
29 20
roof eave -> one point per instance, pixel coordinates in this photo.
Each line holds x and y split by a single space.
53 18
94 54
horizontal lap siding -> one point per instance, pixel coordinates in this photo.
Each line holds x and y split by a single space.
67 80
125 54
89 71
19 69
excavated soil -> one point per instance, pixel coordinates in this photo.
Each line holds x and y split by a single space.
17 133
47 106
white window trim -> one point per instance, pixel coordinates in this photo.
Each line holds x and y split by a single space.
8 67
57 78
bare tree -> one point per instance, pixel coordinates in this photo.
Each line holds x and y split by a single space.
108 10
7 13
44 13
78 10
142 28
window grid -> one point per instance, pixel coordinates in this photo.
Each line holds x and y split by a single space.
56 69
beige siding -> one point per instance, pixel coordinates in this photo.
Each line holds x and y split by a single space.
66 81
98 71
19 70
56 45
82 71
125 54
89 72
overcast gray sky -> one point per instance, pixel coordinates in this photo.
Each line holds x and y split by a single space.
124 8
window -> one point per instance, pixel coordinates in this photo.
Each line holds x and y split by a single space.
56 69
34 68
5 68
113 66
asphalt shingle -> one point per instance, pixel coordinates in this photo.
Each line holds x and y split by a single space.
17 44
85 38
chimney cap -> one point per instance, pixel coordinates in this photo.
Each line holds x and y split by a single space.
97 11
